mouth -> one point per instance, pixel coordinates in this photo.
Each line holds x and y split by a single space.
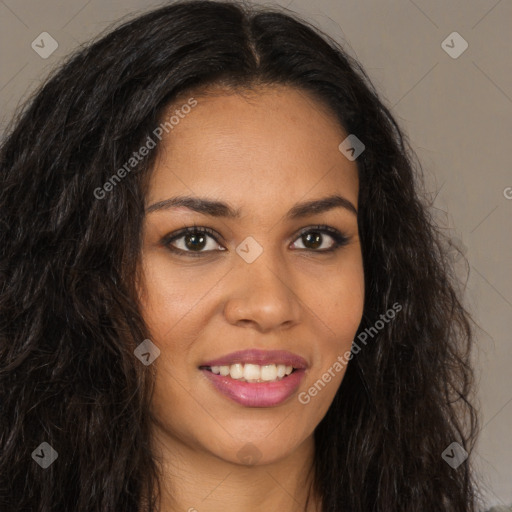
252 373
256 378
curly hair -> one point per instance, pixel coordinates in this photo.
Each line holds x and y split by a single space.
70 318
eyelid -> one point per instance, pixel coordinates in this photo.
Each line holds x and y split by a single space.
166 241
339 237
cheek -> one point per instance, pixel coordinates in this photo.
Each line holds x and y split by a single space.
343 302
166 296
340 316
340 309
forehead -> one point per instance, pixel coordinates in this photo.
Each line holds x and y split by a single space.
251 148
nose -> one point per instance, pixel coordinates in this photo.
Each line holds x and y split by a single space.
263 296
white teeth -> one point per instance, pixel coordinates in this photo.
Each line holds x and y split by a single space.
236 371
253 372
269 372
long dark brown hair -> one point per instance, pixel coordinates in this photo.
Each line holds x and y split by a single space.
69 315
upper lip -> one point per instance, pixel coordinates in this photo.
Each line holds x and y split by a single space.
260 357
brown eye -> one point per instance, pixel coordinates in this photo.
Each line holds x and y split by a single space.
313 238
192 241
195 241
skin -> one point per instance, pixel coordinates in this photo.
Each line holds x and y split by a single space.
260 152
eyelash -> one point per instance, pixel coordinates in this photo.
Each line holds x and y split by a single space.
340 240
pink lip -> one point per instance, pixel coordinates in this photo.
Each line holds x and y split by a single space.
257 394
260 357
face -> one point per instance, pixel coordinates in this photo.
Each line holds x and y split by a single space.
283 283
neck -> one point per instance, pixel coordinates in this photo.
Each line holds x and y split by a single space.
197 481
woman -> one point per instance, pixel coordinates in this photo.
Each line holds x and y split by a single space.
221 287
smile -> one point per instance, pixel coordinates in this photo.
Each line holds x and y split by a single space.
253 372
255 377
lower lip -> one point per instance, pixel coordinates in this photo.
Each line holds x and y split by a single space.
257 394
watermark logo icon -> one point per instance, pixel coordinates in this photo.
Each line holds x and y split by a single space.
249 454
147 352
44 455
44 45
249 249
454 455
351 147
454 45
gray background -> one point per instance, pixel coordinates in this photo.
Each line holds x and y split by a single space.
456 111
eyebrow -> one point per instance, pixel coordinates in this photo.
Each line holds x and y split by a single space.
215 208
